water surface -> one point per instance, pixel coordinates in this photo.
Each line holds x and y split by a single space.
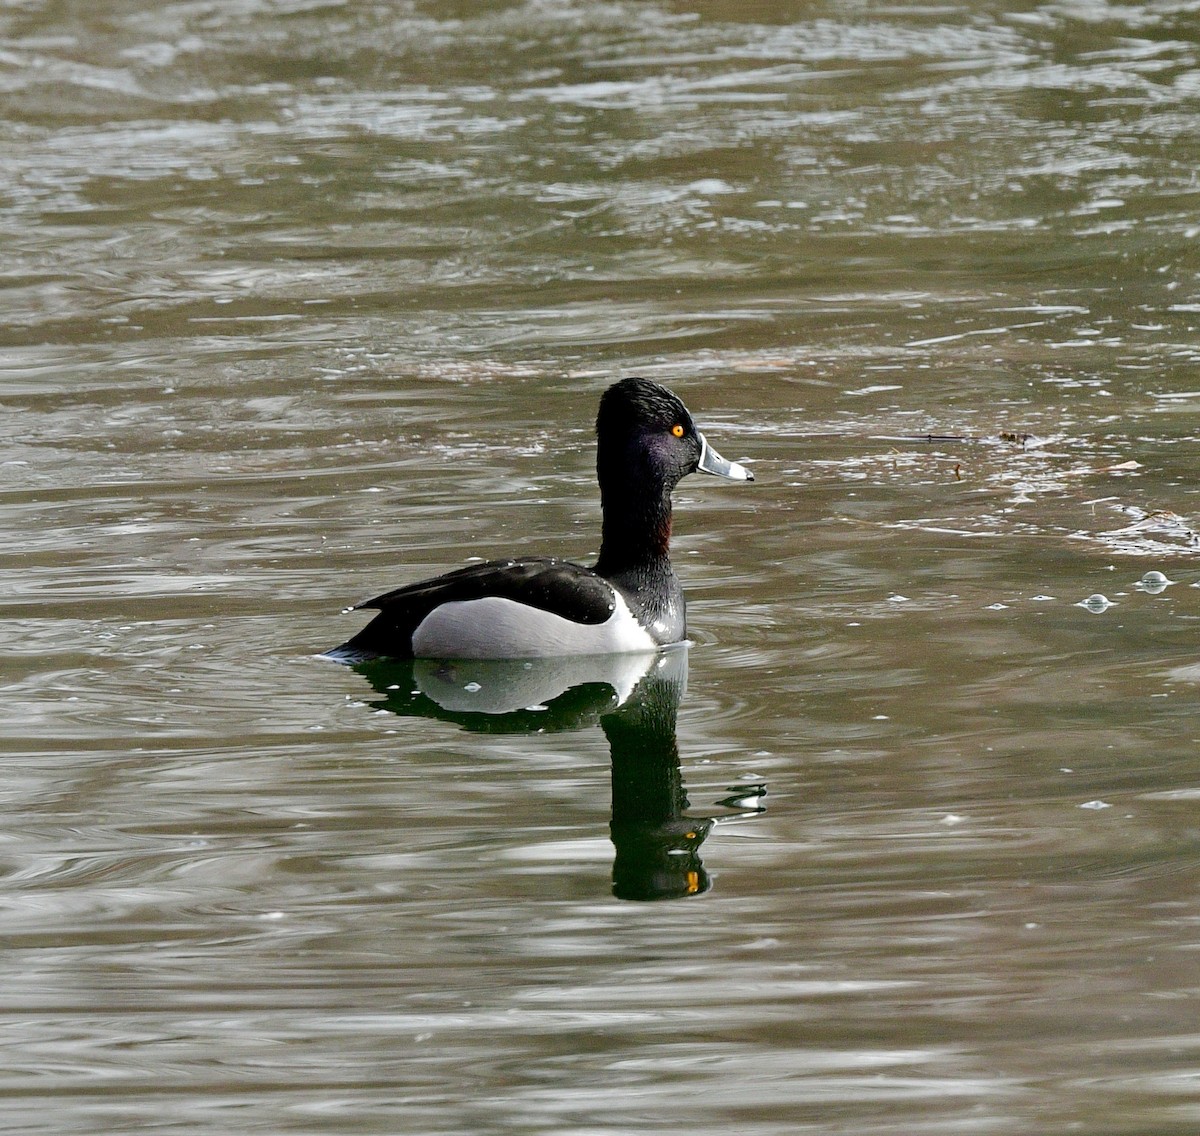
304 300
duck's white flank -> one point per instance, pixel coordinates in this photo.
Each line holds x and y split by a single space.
496 628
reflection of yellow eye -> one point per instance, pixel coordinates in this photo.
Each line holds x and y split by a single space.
677 430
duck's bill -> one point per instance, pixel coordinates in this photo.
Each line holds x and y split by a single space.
712 462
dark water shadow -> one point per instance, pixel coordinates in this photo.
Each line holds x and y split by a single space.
656 834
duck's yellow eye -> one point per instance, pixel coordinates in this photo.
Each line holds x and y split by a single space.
677 430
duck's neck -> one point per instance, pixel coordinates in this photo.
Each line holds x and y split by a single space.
636 535
634 556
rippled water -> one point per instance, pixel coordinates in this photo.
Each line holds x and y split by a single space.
302 300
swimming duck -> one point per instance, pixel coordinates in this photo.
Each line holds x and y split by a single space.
537 607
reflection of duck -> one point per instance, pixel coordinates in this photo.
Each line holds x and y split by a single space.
657 845
634 698
511 695
521 608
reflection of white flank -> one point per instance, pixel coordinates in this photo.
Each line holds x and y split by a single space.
501 686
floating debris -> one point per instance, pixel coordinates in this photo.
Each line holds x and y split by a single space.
1152 532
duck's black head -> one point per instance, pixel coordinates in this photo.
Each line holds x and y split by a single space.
645 437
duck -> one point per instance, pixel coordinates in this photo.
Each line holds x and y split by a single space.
630 600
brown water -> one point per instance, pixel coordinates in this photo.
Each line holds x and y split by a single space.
304 300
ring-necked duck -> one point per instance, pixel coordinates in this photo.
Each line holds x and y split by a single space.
538 607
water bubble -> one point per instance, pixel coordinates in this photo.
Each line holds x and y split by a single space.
1095 805
473 688
1153 582
1096 603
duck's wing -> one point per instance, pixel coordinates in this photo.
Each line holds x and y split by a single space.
561 587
